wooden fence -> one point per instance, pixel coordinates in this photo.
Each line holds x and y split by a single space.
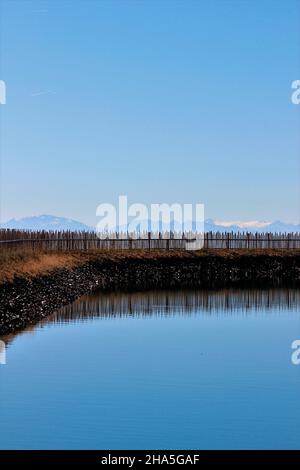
54 240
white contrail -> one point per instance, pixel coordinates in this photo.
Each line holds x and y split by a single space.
43 92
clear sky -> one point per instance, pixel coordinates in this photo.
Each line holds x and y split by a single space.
165 101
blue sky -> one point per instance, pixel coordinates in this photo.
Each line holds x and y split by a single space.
165 101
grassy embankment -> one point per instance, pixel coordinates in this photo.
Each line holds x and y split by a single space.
28 264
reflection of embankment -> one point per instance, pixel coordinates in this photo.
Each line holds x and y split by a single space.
169 303
117 304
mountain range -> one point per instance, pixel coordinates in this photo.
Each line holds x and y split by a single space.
45 222
50 222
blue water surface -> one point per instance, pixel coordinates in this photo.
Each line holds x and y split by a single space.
156 370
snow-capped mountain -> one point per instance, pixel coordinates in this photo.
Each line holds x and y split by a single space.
45 222
50 222
211 225
251 226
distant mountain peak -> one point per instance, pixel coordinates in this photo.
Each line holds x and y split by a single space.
255 224
45 222
51 222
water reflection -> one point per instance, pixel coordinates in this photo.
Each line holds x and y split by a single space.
170 303
119 304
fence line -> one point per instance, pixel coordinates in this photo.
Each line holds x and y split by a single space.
66 240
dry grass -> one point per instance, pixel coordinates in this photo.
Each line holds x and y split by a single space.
28 264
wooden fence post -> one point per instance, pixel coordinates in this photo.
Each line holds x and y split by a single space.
228 241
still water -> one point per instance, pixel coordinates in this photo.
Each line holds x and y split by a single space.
156 370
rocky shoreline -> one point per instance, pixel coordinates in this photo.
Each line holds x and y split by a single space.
26 301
